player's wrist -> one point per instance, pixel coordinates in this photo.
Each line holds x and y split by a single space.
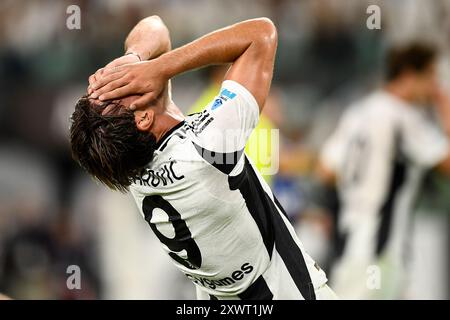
166 70
134 53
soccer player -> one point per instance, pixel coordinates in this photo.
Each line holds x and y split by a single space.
213 213
377 157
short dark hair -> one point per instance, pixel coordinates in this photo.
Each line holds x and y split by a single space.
108 145
416 57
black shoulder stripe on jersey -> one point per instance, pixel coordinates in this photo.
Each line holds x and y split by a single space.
292 257
387 211
273 228
258 290
257 205
165 138
398 177
224 162
280 207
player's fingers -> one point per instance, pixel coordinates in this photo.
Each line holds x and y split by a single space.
112 64
97 74
142 101
100 82
110 86
117 93
91 80
90 90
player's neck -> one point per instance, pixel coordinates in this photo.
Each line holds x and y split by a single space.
167 120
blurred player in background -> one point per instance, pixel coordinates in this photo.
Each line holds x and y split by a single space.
376 158
210 208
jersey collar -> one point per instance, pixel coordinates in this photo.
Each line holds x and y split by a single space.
167 135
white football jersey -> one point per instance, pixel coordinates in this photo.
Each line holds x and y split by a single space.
379 152
214 214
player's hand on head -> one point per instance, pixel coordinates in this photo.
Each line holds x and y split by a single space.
125 59
143 78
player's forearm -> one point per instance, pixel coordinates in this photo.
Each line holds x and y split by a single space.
149 39
222 46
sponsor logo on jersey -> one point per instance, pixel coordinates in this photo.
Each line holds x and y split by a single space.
234 277
164 175
225 95
217 103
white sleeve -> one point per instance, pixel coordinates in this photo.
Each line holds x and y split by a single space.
333 150
229 119
423 143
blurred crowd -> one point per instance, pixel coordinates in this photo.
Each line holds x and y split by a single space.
52 215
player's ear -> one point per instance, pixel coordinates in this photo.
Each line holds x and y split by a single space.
144 119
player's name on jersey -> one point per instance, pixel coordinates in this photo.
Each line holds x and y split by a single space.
164 175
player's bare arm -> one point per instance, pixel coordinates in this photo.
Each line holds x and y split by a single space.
149 39
250 46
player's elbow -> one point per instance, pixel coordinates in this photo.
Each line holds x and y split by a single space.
155 23
159 28
267 32
153 19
